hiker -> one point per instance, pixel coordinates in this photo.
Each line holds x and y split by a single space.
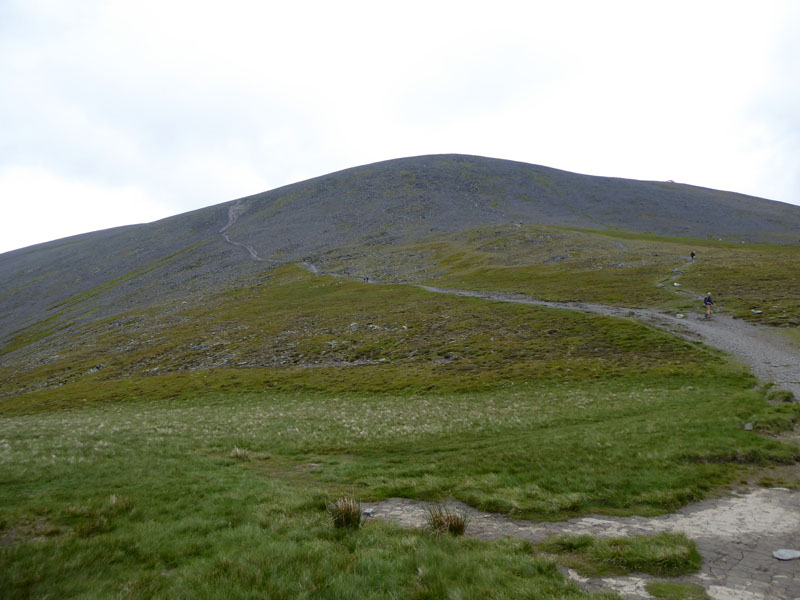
693 255
708 302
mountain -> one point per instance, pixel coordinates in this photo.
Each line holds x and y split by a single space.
354 217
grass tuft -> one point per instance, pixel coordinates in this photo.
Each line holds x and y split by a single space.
776 396
240 453
345 512
443 519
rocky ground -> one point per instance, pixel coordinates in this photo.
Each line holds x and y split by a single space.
735 535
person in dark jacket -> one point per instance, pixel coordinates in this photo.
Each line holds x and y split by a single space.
708 302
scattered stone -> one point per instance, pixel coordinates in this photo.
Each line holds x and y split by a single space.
676 284
755 312
784 554
680 316
748 427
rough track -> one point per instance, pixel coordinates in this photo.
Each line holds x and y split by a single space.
771 358
236 210
735 535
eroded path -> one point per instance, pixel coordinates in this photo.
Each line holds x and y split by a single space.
736 537
236 210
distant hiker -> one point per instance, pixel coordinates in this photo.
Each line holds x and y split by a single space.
693 255
708 302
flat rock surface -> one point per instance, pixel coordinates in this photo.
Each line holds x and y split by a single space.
785 554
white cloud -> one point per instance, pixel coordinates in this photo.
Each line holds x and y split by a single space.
39 206
195 103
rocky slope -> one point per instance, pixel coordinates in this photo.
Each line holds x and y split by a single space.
53 286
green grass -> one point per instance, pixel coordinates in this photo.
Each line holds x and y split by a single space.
295 331
752 278
676 591
147 499
144 500
611 267
191 450
669 554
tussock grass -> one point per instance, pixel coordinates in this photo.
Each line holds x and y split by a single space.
776 396
444 519
240 453
345 513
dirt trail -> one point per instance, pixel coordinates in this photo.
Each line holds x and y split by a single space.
236 210
736 535
770 357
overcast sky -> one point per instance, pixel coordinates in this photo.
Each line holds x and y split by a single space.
120 112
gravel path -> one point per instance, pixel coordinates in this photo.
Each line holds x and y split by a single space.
736 537
762 349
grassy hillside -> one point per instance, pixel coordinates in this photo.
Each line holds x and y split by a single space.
756 282
371 210
191 449
175 415
292 330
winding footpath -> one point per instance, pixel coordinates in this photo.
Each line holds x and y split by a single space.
735 535
236 210
771 358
